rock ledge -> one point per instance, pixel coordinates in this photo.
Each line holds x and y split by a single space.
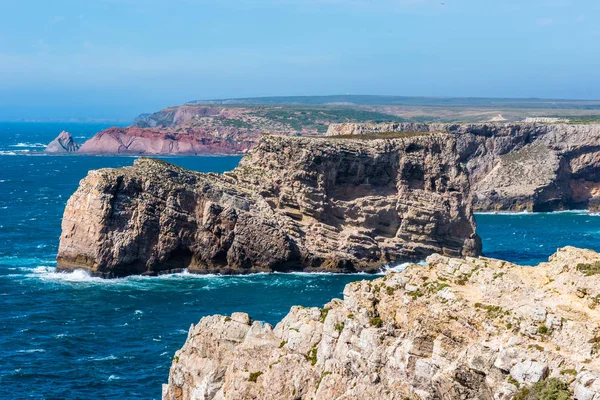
474 328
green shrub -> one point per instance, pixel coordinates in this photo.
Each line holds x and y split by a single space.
312 356
376 322
324 312
589 269
548 389
254 376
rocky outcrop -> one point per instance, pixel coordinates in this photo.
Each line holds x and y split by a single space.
154 141
518 166
314 204
63 144
474 328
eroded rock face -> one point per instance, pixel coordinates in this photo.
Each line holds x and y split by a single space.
313 204
518 166
474 328
151 141
63 144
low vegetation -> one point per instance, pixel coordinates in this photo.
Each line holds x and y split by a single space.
548 389
254 376
589 269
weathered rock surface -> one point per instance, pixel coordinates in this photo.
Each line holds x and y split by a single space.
518 166
200 129
64 143
153 141
316 204
474 328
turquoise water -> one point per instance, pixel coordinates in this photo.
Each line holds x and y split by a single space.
66 336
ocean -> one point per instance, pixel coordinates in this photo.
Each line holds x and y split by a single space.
71 336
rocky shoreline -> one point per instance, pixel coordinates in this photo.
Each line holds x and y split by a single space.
293 203
472 328
511 166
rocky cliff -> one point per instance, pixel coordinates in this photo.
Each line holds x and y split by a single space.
200 129
315 204
153 141
63 144
518 166
474 328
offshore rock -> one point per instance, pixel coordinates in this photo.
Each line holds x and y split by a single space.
64 143
473 328
293 203
518 166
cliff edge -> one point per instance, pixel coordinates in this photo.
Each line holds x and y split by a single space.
293 203
474 328
518 166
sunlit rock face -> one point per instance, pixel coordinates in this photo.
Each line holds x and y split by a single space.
293 203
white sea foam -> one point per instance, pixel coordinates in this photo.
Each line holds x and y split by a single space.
212 281
113 377
107 358
32 351
34 145
578 212
7 153
401 267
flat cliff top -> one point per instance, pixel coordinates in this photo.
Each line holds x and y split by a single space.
455 329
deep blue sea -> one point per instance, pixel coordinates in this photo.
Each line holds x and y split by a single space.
69 336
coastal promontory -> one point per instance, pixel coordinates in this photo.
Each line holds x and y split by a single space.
469 328
293 203
518 166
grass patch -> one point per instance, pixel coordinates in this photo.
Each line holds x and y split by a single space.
254 376
548 389
312 356
569 371
324 312
283 343
492 311
323 375
589 269
339 327
415 294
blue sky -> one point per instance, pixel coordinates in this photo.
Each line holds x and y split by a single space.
117 58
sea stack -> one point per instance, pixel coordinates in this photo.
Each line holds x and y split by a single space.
474 328
63 144
293 204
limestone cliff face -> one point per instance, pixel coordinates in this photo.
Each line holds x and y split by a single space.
316 204
474 328
63 144
518 166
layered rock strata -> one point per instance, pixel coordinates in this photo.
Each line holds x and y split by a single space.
134 140
474 328
63 144
315 204
518 166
